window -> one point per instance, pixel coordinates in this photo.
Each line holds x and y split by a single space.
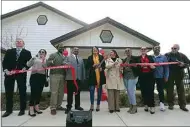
106 36
42 20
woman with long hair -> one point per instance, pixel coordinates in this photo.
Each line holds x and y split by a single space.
37 81
114 81
95 66
130 77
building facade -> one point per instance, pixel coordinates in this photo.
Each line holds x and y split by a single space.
42 26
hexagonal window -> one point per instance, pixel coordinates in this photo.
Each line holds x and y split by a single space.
42 20
106 36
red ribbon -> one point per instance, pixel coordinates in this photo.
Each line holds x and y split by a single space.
148 64
54 67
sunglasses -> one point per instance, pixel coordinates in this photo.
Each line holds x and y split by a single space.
174 48
143 49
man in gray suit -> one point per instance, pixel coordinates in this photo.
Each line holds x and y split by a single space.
77 62
57 80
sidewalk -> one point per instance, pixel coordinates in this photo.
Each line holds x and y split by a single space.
104 118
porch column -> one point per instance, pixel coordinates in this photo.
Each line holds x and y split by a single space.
69 51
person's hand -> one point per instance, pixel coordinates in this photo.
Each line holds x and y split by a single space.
166 79
100 69
181 64
7 72
115 63
95 65
152 67
33 58
24 69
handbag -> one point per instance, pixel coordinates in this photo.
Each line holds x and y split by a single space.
47 81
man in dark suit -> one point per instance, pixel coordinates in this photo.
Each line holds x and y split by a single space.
77 62
15 59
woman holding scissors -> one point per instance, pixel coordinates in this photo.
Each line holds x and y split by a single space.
114 81
96 66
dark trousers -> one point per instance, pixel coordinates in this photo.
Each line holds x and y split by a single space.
177 80
37 82
160 88
9 90
70 89
146 81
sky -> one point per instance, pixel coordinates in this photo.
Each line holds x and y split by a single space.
167 22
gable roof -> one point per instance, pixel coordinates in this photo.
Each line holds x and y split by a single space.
7 15
99 23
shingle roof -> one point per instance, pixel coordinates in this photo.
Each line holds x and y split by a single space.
99 23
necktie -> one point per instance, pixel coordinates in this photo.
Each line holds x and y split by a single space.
17 53
77 59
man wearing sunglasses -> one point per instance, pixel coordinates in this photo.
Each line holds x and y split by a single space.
15 59
176 76
57 80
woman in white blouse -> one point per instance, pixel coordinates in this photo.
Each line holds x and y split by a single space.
37 81
114 81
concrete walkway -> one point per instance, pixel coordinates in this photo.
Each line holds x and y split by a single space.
104 118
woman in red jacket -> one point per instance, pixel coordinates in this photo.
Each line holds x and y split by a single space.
146 80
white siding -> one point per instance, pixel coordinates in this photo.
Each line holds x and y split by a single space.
38 36
120 39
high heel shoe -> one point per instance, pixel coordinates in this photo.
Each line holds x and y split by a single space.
98 108
92 108
31 110
38 112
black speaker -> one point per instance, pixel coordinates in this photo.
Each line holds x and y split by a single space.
79 119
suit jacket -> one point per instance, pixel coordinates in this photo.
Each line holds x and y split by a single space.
79 68
57 59
92 74
10 61
113 75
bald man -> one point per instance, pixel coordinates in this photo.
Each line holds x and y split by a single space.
77 62
15 58
176 75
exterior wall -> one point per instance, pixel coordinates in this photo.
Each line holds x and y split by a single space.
120 39
38 36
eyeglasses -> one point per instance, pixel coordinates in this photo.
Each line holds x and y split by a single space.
174 48
42 52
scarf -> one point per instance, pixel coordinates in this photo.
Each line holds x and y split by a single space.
97 71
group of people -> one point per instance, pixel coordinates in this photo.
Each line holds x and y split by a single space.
101 69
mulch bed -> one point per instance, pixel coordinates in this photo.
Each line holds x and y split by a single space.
44 103
45 100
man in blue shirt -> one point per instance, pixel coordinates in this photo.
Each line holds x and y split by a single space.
161 74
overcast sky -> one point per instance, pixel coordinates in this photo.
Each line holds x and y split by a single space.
166 22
